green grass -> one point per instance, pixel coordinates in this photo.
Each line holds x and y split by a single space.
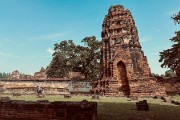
124 111
110 108
176 97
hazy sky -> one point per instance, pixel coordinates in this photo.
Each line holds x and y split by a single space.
30 28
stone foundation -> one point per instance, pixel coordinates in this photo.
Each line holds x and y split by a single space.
137 87
144 87
50 87
44 110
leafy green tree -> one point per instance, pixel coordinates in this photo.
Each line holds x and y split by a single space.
64 59
4 75
1 75
69 57
177 18
170 73
154 75
171 57
91 57
57 68
162 76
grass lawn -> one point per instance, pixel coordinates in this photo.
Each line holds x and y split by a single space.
111 108
176 97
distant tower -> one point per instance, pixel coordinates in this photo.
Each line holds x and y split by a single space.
122 57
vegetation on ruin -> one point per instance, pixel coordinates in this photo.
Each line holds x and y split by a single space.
117 108
69 57
171 57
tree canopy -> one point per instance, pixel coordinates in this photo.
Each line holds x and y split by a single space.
170 73
69 57
4 75
171 57
176 18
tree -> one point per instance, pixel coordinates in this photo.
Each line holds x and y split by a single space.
170 73
176 18
69 57
154 75
4 75
1 75
91 57
57 68
64 59
171 57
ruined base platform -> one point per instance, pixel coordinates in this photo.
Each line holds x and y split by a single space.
141 87
44 110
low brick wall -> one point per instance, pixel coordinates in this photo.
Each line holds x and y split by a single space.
147 87
44 110
172 85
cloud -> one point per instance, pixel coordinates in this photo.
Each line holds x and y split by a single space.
145 38
51 36
5 54
6 41
8 55
50 51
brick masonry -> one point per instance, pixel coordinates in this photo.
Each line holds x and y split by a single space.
120 43
44 110
125 70
172 85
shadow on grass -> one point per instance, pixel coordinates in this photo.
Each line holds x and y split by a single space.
125 111
119 108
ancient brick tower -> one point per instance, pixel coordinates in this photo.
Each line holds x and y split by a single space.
123 61
121 50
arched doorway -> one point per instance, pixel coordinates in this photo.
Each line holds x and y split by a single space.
122 76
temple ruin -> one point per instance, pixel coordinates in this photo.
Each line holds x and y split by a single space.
121 51
125 70
122 60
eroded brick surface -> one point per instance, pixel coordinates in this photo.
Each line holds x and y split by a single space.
123 61
120 43
44 110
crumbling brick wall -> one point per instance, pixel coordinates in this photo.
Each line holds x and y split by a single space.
172 85
44 110
147 87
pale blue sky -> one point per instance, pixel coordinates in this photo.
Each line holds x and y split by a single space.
30 28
